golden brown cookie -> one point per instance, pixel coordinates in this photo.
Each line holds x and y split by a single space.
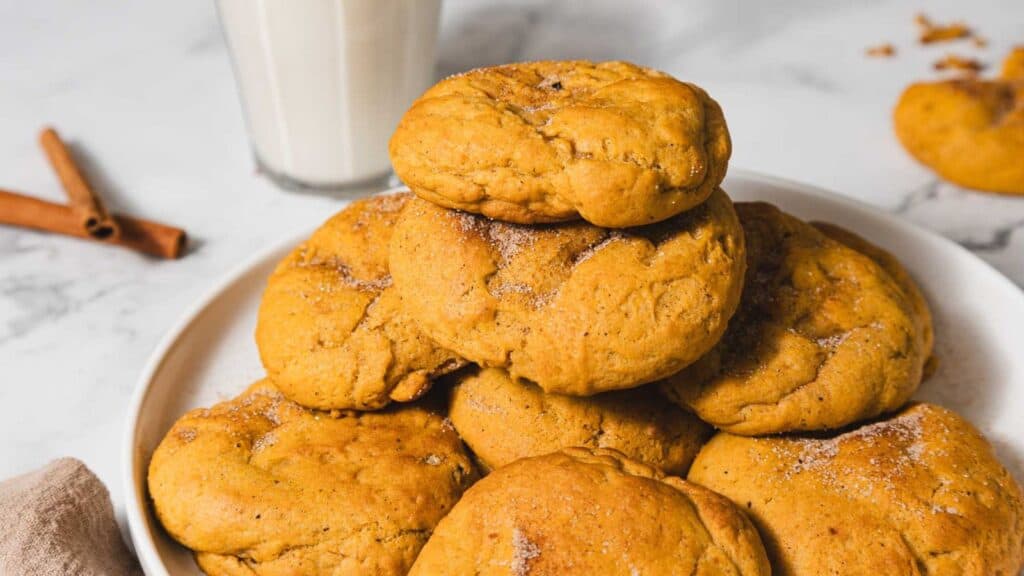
261 485
575 308
332 331
593 513
919 493
616 144
824 337
970 131
502 420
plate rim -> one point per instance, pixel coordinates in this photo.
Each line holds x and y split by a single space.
134 497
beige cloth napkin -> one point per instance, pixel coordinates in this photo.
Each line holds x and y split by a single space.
59 521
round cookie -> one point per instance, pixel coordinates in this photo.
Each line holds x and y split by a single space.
575 308
502 420
331 330
260 485
920 493
592 513
614 143
824 337
969 131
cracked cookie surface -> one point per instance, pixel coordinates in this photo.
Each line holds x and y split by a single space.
594 513
824 336
574 308
916 494
259 485
502 420
332 331
614 143
968 130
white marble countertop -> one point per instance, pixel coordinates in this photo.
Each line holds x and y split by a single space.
145 89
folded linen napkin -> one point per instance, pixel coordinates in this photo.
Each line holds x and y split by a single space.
58 521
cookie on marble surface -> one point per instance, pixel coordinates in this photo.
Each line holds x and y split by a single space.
574 308
968 130
593 513
502 420
332 331
824 337
917 493
261 485
614 143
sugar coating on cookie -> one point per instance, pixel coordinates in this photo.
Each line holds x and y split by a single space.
970 131
593 513
917 493
614 143
331 330
575 308
261 485
824 336
502 420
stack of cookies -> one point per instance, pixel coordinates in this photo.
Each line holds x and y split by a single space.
511 369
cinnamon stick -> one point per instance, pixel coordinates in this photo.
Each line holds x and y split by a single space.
141 235
92 216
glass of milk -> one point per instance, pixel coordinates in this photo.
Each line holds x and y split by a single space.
324 82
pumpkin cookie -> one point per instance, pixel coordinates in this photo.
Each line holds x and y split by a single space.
616 144
261 485
575 308
918 493
970 131
824 337
502 420
592 513
331 330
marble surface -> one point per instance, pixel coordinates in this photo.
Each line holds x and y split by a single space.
144 90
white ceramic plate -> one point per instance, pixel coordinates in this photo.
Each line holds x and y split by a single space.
979 316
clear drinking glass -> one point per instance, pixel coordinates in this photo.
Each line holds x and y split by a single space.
324 82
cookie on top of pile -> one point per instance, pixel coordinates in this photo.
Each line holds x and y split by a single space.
568 305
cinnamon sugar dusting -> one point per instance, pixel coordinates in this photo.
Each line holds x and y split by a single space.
187 434
509 239
391 203
343 270
523 552
263 442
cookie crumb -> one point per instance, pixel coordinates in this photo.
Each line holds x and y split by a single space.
932 32
959 63
263 442
886 50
